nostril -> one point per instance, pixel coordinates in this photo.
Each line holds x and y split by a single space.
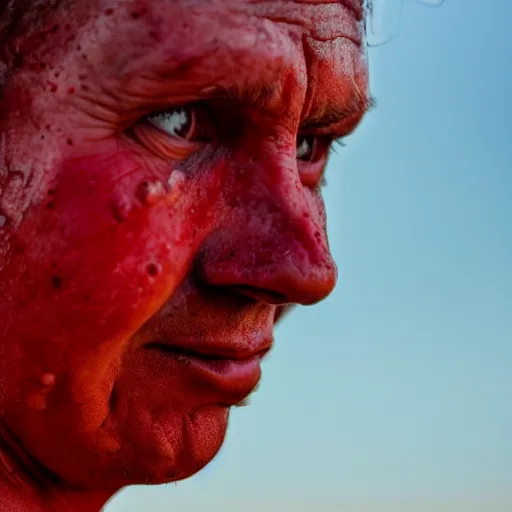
261 294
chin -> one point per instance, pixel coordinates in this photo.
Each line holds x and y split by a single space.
135 449
179 453
159 450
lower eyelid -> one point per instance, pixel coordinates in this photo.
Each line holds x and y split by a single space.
165 146
311 174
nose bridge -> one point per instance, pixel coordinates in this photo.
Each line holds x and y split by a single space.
273 244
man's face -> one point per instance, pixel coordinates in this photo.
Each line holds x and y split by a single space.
162 202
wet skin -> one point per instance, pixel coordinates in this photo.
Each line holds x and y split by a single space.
161 201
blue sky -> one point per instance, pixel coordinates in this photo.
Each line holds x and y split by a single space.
397 388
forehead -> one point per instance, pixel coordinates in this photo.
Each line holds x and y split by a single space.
263 44
188 28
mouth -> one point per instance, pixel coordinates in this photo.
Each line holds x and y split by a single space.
230 374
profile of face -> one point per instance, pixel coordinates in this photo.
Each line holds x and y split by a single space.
160 204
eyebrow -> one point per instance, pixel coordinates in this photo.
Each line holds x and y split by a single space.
333 115
259 96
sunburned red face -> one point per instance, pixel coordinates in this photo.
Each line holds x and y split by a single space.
162 204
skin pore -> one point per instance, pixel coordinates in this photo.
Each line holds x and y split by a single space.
161 167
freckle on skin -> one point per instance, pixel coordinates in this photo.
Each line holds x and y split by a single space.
152 269
56 282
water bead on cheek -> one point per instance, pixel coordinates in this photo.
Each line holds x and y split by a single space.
175 185
150 192
176 180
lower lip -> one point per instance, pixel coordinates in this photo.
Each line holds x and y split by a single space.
236 378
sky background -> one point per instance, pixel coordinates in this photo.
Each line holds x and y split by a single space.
395 393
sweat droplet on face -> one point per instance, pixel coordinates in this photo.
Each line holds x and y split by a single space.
175 185
176 180
150 192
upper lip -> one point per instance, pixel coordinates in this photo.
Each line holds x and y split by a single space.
212 325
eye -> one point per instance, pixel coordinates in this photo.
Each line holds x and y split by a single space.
177 132
311 153
312 148
306 148
178 122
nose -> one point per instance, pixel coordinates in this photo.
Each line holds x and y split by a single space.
271 244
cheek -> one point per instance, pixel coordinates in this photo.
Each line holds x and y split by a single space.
94 261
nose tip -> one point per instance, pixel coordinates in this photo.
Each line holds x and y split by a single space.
269 276
270 244
287 286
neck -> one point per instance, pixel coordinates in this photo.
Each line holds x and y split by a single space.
26 486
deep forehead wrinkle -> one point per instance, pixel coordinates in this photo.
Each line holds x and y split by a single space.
245 24
323 20
188 32
246 49
223 49
230 36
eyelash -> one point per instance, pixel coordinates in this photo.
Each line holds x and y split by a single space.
335 144
338 142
